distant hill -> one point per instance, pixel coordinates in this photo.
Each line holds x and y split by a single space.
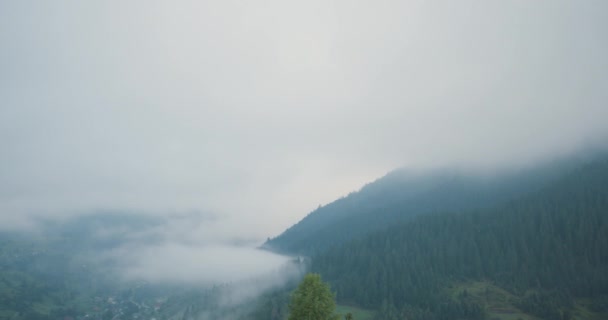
58 272
49 274
65 270
402 194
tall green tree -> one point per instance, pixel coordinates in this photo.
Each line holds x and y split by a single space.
312 300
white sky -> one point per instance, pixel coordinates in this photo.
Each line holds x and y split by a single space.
259 111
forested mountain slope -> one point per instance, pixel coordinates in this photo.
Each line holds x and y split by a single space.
400 195
546 249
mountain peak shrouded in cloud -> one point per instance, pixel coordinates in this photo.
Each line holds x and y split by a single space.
259 112
405 194
158 143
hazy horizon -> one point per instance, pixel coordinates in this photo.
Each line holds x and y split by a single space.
249 115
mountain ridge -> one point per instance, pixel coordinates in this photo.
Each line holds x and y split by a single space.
402 194
547 249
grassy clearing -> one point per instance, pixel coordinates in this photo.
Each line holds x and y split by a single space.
358 313
582 311
498 302
42 308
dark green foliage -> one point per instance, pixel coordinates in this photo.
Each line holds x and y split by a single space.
271 306
554 242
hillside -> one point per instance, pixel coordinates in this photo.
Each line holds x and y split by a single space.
402 194
546 251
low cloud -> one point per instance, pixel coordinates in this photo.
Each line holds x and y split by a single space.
186 252
207 265
259 112
183 251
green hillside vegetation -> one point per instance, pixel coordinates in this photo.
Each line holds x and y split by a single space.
401 195
356 312
548 250
497 302
501 304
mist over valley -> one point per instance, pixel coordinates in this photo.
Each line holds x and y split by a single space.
368 160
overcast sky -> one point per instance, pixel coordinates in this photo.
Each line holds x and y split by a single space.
256 112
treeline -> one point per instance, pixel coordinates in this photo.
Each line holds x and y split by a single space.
553 242
401 195
271 306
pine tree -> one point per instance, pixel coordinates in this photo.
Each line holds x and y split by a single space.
312 300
